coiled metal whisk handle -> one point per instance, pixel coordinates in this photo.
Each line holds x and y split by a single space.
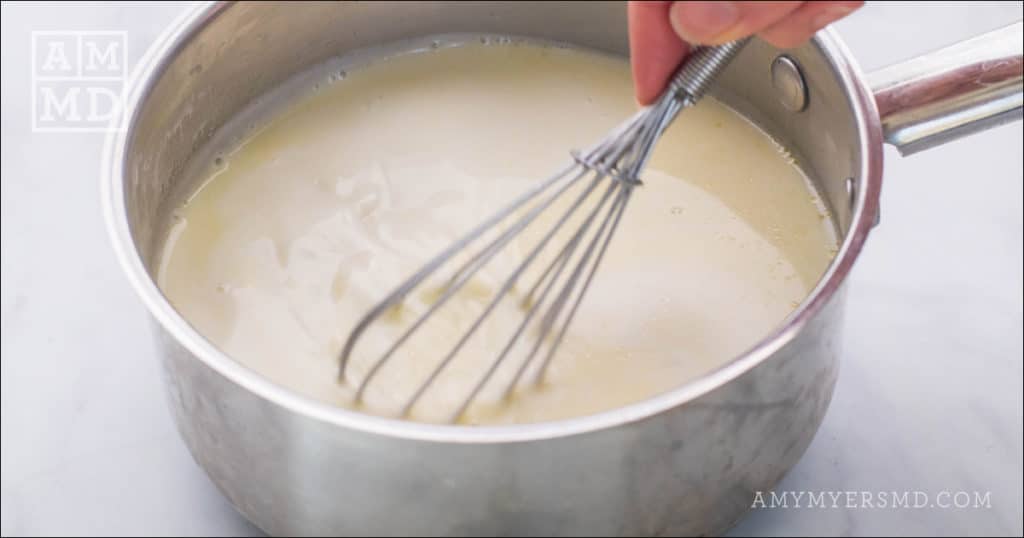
701 68
691 80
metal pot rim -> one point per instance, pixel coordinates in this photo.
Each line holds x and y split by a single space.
158 57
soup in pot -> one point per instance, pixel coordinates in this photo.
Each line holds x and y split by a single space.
340 194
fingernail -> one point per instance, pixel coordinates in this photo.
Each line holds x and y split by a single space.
829 16
697 22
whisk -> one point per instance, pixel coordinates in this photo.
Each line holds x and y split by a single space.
614 164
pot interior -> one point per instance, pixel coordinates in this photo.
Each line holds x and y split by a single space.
239 53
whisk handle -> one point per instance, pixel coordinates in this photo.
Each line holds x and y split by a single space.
701 67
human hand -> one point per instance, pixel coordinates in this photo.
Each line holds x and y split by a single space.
660 33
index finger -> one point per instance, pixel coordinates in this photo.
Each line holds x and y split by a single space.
654 47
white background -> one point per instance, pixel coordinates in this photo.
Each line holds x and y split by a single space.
929 397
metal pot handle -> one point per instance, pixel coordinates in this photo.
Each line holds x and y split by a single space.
952 92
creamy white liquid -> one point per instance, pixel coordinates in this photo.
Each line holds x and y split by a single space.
311 221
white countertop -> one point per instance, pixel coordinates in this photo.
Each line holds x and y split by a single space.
929 396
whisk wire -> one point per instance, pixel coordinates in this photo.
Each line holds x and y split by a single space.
552 311
502 291
430 267
463 276
617 210
561 261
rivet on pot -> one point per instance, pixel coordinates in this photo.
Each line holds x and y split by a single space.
789 83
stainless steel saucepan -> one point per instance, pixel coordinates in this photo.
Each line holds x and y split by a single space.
685 462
